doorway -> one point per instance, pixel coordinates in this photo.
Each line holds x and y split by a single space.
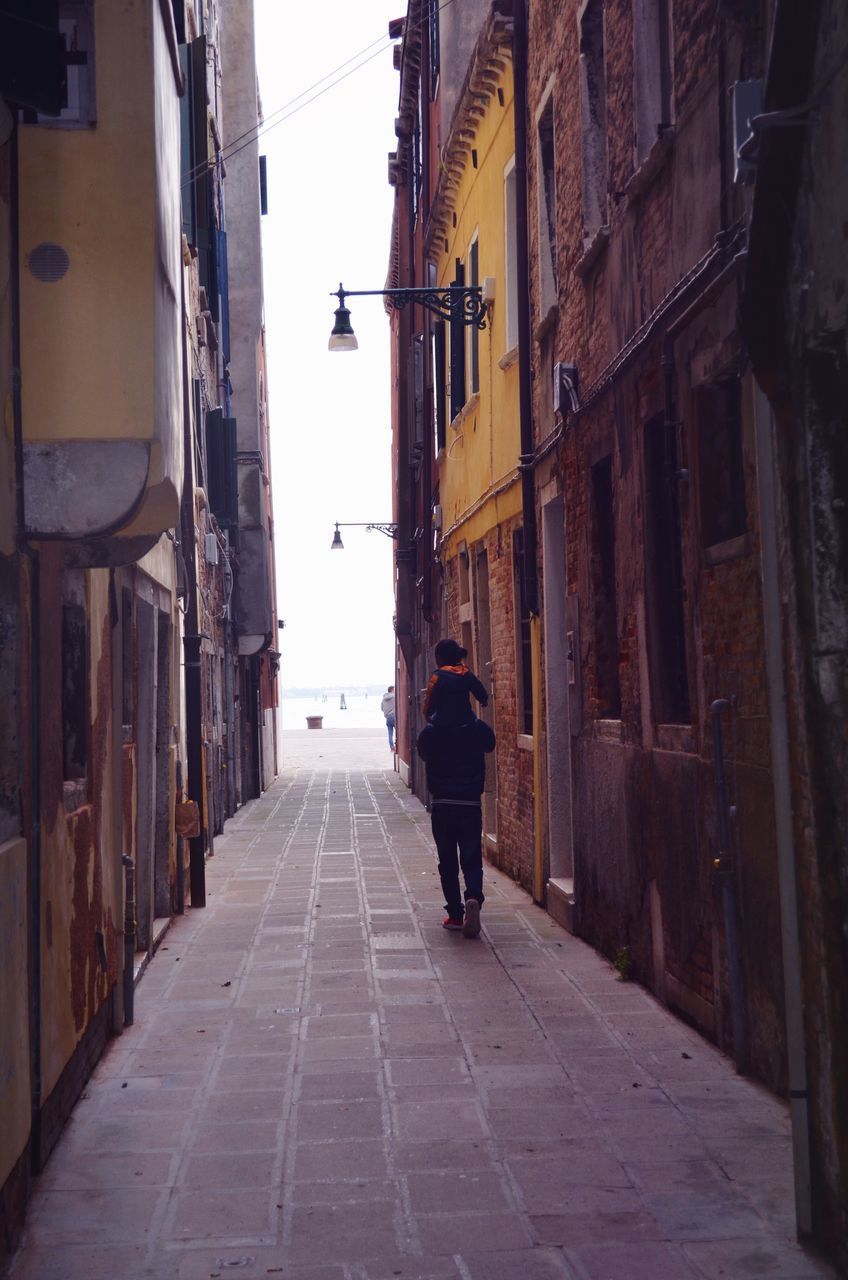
485 670
558 666
146 676
162 904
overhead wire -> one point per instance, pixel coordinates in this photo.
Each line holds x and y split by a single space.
264 126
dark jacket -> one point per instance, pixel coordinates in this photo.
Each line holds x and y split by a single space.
447 701
456 759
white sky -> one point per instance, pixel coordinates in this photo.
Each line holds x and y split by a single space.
329 220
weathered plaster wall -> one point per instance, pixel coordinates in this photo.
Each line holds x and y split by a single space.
79 892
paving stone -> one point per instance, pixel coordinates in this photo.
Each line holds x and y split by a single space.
340 1160
439 1192
476 1232
374 1098
346 1233
634 1261
204 1213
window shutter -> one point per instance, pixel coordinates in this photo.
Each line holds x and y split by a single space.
200 152
418 390
231 472
439 376
224 286
457 351
187 183
216 476
263 184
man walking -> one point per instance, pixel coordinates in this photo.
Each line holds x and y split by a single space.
387 706
455 758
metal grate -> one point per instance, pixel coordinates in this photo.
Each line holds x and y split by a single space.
48 263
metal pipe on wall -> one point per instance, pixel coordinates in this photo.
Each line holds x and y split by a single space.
782 786
525 385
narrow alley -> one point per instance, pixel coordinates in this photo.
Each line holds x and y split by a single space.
322 1083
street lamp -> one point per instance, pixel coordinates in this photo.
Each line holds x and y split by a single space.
390 530
461 303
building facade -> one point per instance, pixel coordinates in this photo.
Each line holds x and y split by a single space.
624 493
138 665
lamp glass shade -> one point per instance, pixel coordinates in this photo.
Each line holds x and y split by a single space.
342 337
342 342
337 544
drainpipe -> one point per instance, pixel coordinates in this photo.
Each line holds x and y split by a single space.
526 461
525 386
782 785
32 556
192 642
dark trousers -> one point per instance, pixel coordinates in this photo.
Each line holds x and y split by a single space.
458 833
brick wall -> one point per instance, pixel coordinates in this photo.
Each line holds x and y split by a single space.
645 817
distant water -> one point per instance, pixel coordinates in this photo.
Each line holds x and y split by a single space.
362 712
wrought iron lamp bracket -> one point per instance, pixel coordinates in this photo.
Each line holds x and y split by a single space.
461 303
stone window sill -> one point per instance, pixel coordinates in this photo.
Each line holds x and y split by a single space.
525 742
608 730
509 358
592 251
732 549
471 405
547 322
75 794
651 166
675 737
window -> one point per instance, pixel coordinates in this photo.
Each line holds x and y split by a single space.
664 563
127 665
545 152
524 665
416 156
417 358
75 710
439 376
435 60
511 253
221 467
593 112
720 472
607 684
76 29
473 331
652 73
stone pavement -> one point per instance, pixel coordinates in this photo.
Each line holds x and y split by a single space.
323 1084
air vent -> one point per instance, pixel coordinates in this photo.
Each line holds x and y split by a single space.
48 263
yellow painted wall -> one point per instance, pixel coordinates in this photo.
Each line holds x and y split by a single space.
483 444
101 346
91 191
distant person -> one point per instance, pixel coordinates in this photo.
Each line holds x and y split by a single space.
342 703
447 699
455 758
387 706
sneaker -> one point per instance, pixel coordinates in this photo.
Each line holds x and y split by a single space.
450 923
471 927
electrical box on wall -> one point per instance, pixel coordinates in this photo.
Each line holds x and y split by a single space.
747 101
566 399
212 549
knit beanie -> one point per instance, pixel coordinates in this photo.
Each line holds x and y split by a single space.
449 653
